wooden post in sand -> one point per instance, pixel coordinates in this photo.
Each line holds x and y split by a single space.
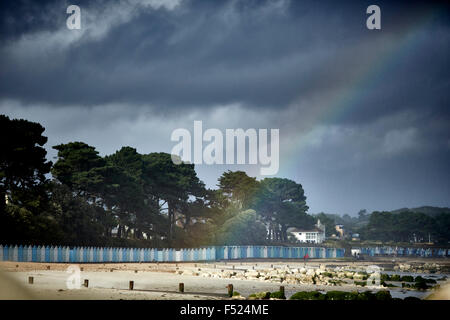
282 290
230 290
131 285
30 280
181 287
86 283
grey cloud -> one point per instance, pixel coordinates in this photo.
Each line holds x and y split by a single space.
363 116
264 55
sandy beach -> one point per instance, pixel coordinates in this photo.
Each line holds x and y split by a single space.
160 281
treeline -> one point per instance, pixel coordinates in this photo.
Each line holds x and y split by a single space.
132 199
405 225
352 224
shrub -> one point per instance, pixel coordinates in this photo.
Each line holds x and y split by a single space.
235 293
421 279
366 295
395 277
421 285
301 295
260 295
308 295
388 285
411 299
336 282
360 283
339 295
383 295
407 278
353 295
278 295
385 277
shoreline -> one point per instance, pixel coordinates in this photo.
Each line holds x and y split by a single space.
159 281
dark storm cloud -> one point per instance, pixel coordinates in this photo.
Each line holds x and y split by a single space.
22 17
202 53
363 115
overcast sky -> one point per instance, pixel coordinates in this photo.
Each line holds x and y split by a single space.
363 114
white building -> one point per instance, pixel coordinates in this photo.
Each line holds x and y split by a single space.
314 235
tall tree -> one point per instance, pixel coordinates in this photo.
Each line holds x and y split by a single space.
87 175
80 222
328 222
23 182
282 203
239 188
243 228
171 186
76 167
134 206
402 226
23 163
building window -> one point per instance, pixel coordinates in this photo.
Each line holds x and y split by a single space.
311 235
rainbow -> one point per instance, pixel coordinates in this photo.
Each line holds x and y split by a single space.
343 102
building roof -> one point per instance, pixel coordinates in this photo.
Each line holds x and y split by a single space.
304 230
